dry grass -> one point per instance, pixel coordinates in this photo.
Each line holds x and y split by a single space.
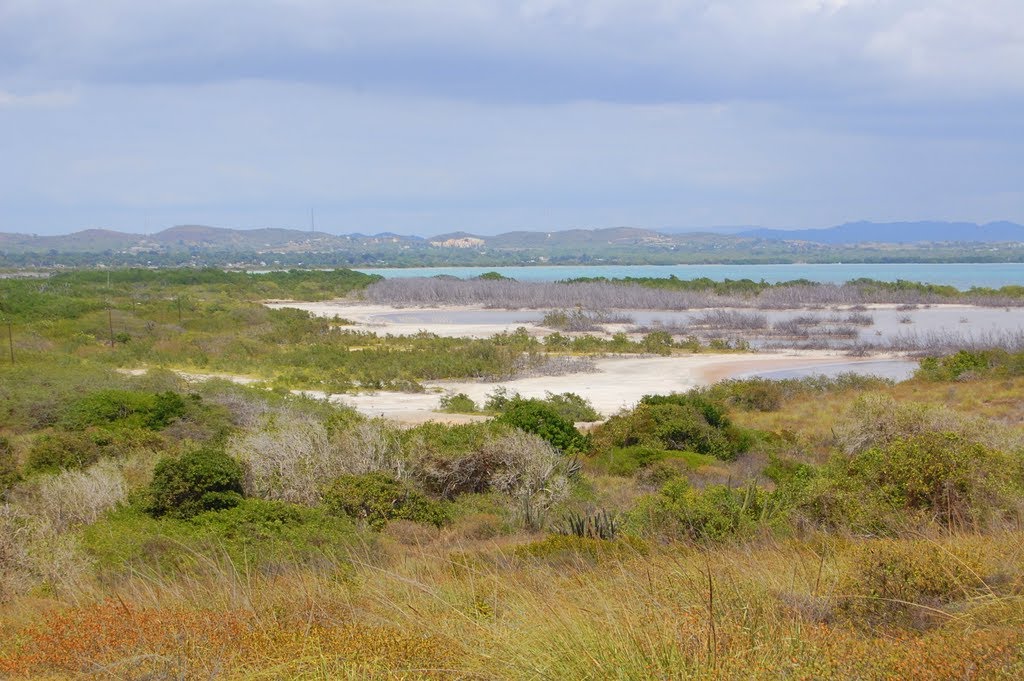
815 418
762 610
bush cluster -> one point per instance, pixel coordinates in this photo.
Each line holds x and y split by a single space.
544 420
126 409
681 422
376 498
195 482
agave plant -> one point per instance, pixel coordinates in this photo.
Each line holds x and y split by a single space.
598 525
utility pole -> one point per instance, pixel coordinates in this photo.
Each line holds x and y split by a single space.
179 310
10 339
312 222
110 321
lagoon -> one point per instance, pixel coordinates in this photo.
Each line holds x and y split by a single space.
960 275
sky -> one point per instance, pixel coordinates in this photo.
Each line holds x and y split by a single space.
427 116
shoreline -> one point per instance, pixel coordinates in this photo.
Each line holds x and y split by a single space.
618 383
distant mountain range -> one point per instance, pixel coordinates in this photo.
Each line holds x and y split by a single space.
898 233
272 239
198 244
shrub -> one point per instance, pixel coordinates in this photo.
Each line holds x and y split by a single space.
571 407
763 394
289 463
932 478
9 469
530 471
451 476
952 367
80 497
658 474
902 582
201 480
877 420
62 451
533 416
125 408
679 511
626 461
457 404
377 498
679 422
252 533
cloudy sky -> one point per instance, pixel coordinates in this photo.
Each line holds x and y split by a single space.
422 116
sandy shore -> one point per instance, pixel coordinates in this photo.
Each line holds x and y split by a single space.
618 383
367 317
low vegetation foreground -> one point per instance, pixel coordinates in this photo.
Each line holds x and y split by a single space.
153 527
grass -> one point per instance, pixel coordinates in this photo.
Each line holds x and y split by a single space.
758 610
750 565
815 416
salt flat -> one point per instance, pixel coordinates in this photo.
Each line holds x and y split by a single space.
619 381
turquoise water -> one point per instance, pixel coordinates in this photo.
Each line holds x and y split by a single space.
958 274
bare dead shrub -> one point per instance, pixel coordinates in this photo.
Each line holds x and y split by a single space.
530 471
554 365
371 447
508 294
790 328
293 459
859 319
289 463
731 319
73 497
34 554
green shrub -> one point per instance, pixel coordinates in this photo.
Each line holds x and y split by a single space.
687 422
201 480
533 416
377 498
629 461
253 533
125 408
951 367
658 474
680 511
62 451
626 461
457 404
571 407
971 364
763 394
931 478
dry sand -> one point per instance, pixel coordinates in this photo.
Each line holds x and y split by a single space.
369 317
618 383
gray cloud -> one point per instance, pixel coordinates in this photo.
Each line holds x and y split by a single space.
427 115
621 50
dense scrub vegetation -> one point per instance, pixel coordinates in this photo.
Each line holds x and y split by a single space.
212 321
671 293
758 493
152 527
